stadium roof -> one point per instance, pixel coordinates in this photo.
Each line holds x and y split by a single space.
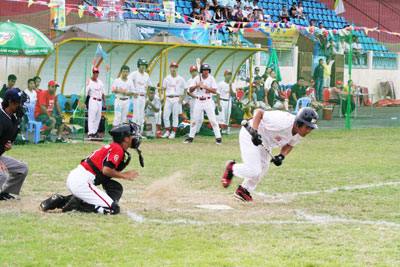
71 61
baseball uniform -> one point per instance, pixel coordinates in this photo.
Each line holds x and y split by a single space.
174 88
275 129
192 103
225 101
204 102
95 90
121 104
140 83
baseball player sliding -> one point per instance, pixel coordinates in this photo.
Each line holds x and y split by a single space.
98 169
204 87
269 130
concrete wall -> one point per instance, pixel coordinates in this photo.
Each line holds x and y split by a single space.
23 67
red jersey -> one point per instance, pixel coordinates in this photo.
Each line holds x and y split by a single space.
45 99
110 155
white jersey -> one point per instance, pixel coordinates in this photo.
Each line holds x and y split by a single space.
149 109
276 127
268 82
32 95
121 85
224 90
140 81
174 86
95 89
209 82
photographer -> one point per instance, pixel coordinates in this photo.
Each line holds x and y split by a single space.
12 172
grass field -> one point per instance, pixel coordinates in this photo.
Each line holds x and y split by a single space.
333 202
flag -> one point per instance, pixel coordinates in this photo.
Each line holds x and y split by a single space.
273 62
100 51
339 7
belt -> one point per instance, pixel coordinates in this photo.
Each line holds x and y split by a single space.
125 98
224 99
97 99
142 94
203 98
172 96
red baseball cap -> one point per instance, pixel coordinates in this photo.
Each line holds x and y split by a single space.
338 82
192 68
95 70
53 83
173 64
227 71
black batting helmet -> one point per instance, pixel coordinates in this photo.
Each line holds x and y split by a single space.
307 116
142 61
205 66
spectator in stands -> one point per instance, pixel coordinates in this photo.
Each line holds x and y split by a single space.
218 16
11 80
300 11
236 39
37 81
298 91
270 79
293 11
202 16
195 13
30 91
260 92
196 4
310 92
207 13
331 48
248 11
211 4
319 79
255 5
343 47
311 23
239 15
284 14
267 17
275 100
267 74
327 72
339 96
229 42
357 51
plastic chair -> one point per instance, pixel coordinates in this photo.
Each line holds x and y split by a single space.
302 102
33 125
62 100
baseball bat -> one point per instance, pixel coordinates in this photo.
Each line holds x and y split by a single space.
254 134
198 67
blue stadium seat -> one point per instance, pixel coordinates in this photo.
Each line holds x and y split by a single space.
331 24
276 13
180 10
324 11
275 18
343 19
318 5
186 11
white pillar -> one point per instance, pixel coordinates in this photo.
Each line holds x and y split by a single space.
370 59
257 57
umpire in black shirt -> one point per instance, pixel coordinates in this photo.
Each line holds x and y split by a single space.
12 172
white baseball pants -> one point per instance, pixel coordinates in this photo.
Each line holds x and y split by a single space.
81 184
121 110
192 104
94 115
255 162
138 110
171 106
209 107
225 114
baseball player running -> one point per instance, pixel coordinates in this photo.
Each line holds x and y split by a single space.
141 81
272 129
98 169
95 91
225 92
122 87
204 87
175 91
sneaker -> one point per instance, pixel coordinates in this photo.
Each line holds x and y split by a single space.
53 202
166 134
188 140
172 135
218 141
242 194
159 135
228 174
60 140
6 196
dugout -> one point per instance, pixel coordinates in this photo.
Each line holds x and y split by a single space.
71 61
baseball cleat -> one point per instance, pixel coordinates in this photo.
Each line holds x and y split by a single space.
188 140
159 135
53 202
166 134
172 135
218 141
228 174
6 196
242 194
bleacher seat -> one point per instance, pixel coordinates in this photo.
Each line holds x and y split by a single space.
188 4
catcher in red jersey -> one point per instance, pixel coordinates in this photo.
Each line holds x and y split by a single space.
98 169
